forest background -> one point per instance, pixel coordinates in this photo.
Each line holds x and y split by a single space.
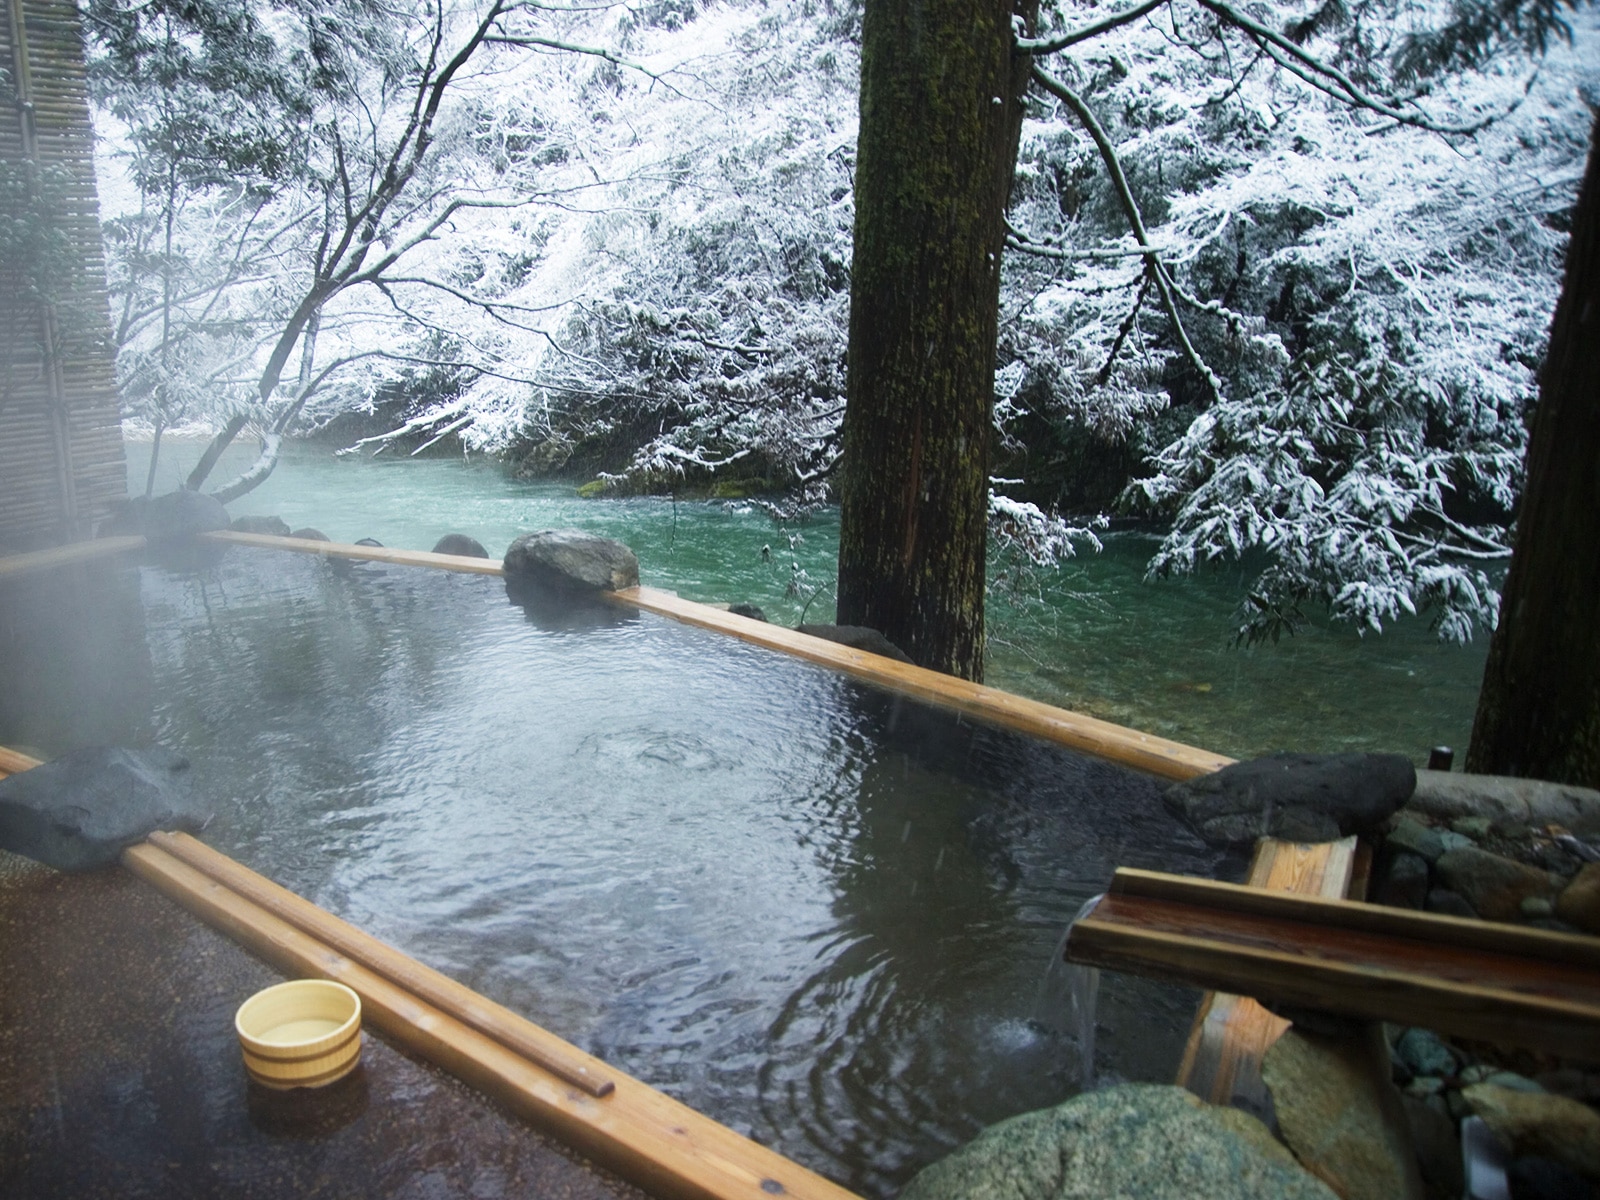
612 243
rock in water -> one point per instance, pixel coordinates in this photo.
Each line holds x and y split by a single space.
183 514
568 560
460 545
1340 1117
1298 797
857 637
79 811
276 526
1139 1140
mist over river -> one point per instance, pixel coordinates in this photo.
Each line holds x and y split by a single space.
1092 635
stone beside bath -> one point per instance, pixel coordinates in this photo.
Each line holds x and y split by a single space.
79 811
571 561
1152 1141
1297 797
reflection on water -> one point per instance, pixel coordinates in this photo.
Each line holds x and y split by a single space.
818 913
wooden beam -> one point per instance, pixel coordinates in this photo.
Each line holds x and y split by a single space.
59 556
1231 1034
1497 983
383 554
647 1137
12 761
465 1005
1088 735
1116 743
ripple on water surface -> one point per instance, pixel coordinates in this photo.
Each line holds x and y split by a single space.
815 912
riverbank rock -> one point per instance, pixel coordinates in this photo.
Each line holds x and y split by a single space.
1524 803
183 514
1298 797
1537 1123
857 637
460 544
1337 1111
1139 1140
311 535
275 526
1579 902
79 811
572 561
1495 887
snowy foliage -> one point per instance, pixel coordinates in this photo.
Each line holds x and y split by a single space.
1371 297
626 252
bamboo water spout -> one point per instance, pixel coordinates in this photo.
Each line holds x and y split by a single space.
1477 979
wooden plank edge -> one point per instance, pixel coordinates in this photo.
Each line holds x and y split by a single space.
59 556
1538 1022
1116 743
1089 735
383 554
1437 928
645 1136
510 1029
12 761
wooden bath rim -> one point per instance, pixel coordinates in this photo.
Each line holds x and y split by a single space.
993 706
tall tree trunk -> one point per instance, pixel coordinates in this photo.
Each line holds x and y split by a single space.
1539 711
941 112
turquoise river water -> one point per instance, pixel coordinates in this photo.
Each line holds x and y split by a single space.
1092 636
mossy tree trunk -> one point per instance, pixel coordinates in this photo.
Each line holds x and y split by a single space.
1539 710
941 112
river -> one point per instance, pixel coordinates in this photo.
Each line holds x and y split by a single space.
1092 635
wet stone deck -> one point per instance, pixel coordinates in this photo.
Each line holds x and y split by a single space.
120 1075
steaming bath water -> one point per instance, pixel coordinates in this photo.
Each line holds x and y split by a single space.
813 911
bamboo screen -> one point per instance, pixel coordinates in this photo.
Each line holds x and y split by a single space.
61 454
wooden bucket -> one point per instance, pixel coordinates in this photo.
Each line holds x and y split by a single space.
305 1033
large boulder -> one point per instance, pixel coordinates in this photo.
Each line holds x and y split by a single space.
79 811
1297 797
1151 1141
183 514
570 561
857 637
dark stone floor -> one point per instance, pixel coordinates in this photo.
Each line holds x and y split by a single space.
120 1074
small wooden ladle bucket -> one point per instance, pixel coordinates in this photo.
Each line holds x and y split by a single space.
305 1033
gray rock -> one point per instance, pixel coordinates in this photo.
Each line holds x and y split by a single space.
1423 1052
369 542
1139 1140
747 610
1450 840
1299 797
79 811
1403 882
1579 902
1412 836
1495 886
1527 803
569 560
1534 907
1340 1116
1476 828
461 545
1449 904
311 535
1538 1123
857 637
275 526
1510 1079
183 514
